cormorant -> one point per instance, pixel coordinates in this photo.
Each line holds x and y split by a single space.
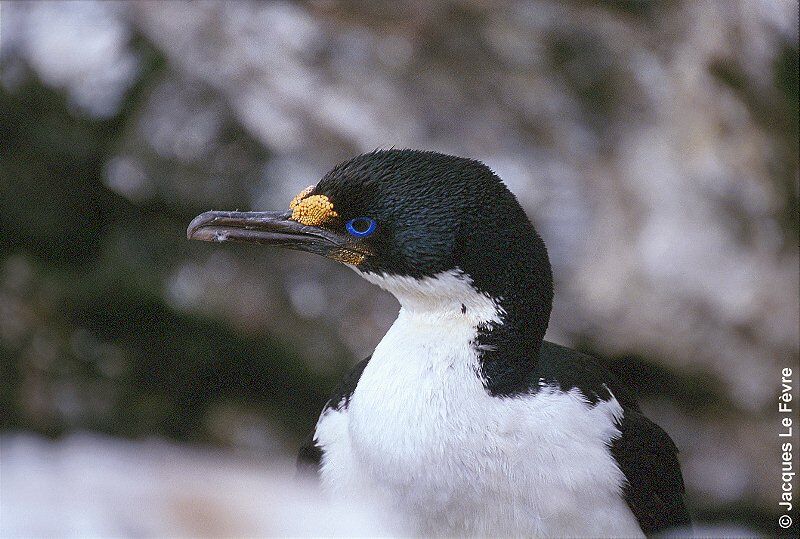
464 420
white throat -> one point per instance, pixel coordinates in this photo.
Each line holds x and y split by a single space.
449 295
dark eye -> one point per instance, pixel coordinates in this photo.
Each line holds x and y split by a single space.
361 227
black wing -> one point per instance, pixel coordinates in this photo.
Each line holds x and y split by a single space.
568 369
643 451
649 459
310 455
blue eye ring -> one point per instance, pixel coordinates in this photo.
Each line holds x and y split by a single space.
361 227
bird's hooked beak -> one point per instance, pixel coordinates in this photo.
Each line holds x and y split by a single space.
272 228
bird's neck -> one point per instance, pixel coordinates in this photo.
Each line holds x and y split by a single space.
509 263
506 327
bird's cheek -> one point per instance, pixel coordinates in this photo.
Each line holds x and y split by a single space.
347 256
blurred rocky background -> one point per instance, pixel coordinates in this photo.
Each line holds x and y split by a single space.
654 144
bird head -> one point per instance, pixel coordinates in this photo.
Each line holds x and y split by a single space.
394 213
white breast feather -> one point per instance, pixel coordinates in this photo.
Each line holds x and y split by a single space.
422 435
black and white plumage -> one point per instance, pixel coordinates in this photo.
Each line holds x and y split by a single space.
464 420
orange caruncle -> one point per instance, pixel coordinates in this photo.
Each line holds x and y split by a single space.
313 211
300 196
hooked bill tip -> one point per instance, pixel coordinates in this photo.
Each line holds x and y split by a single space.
194 230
